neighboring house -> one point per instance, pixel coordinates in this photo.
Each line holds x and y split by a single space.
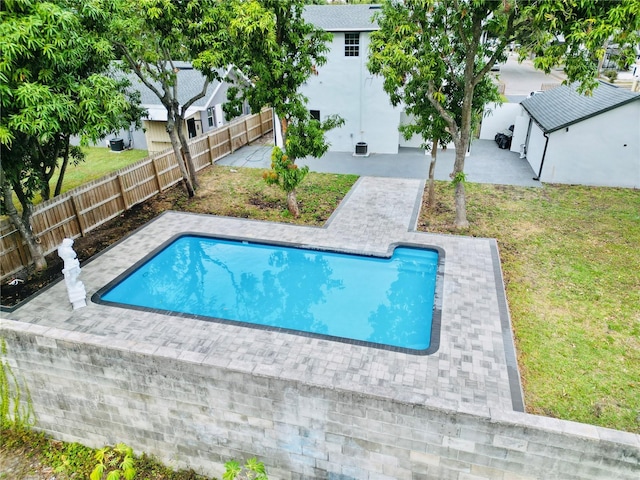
576 139
203 115
344 86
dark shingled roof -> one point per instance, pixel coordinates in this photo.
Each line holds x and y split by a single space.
563 106
190 83
342 18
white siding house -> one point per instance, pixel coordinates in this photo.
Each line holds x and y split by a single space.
588 140
344 86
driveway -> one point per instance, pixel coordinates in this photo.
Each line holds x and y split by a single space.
486 163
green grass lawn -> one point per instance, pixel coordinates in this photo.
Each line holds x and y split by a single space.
571 260
99 161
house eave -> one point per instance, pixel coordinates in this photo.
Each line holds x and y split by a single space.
338 30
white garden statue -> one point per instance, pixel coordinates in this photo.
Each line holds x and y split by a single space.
71 271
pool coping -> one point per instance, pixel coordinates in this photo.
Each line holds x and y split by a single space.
436 318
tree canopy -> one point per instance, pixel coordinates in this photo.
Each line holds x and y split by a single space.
444 49
150 36
279 58
54 84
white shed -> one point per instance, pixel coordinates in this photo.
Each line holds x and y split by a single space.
587 140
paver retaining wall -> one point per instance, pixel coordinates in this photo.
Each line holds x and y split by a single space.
192 410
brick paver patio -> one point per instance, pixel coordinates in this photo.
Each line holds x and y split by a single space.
473 370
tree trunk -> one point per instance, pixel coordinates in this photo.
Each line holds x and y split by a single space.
188 159
461 206
177 151
48 158
605 46
292 204
431 198
63 168
460 197
23 226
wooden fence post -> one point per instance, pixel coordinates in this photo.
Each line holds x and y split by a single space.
76 211
209 144
124 197
261 129
155 171
230 137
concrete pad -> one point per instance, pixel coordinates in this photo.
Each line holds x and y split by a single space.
486 163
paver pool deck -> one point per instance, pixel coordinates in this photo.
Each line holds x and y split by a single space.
474 368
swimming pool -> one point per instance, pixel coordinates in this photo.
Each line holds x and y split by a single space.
390 303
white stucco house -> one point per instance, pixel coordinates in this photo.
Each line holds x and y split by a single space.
203 115
576 139
344 86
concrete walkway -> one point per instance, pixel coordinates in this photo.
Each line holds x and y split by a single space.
485 164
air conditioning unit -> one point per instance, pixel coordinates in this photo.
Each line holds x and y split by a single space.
116 144
362 149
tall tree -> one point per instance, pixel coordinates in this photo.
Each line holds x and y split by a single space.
426 120
151 36
279 59
53 85
452 44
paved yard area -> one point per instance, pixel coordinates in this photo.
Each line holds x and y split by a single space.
473 370
486 163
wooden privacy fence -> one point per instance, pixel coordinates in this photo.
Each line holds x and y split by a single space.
76 212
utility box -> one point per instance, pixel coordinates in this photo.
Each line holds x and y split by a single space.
116 144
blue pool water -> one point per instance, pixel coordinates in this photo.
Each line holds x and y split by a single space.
385 301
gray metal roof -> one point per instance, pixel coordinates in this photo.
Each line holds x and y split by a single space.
342 18
563 106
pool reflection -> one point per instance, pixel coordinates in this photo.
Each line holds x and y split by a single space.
382 300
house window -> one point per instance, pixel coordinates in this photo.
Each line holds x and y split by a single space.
211 117
315 114
351 44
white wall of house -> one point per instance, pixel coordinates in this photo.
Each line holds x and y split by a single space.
345 87
497 118
133 139
602 151
217 100
415 141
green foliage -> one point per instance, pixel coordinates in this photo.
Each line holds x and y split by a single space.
73 460
16 408
459 177
251 470
280 55
284 172
305 136
150 36
54 84
612 75
69 457
114 463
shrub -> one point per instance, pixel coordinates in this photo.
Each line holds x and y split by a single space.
612 75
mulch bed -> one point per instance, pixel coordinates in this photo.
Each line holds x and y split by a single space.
29 282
